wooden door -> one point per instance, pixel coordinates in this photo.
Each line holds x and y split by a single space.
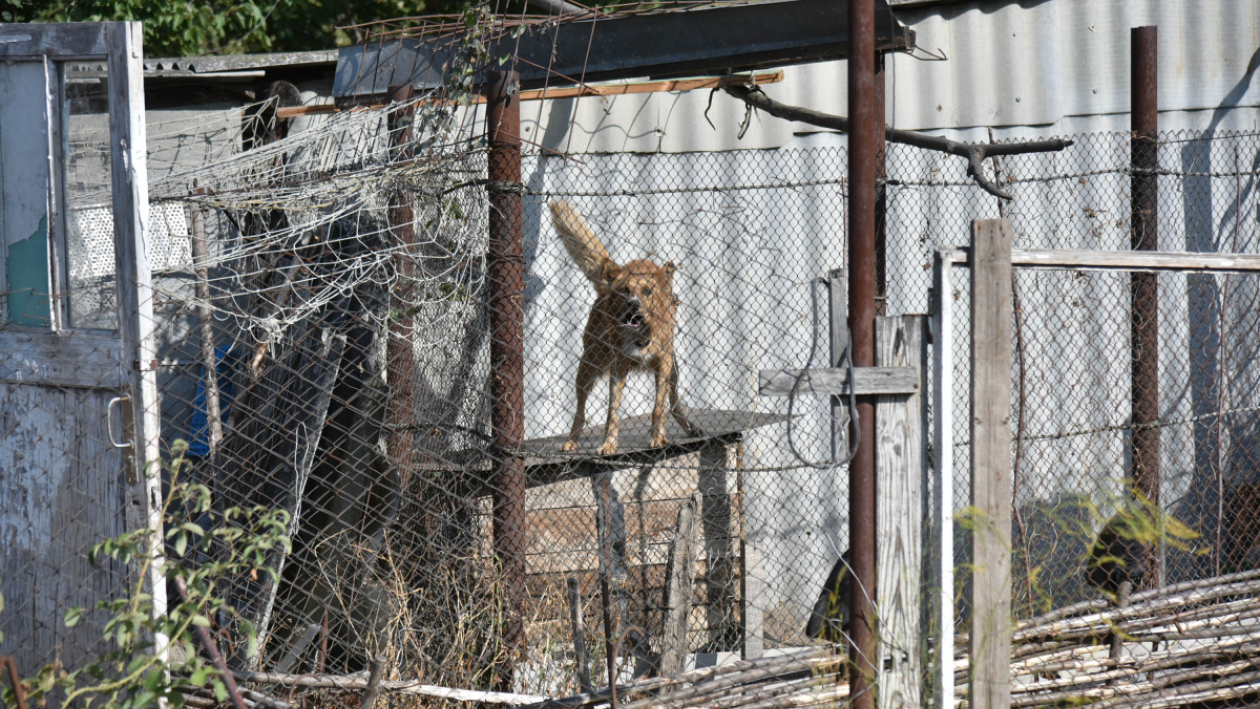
78 409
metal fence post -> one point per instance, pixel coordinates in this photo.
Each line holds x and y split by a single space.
1144 287
866 122
506 265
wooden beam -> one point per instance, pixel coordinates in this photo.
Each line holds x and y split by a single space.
991 312
1125 260
900 457
621 89
828 382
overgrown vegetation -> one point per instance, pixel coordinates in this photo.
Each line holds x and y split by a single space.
184 29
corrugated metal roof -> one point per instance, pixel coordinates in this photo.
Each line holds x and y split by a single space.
1009 64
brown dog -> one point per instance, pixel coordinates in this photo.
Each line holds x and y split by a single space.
631 326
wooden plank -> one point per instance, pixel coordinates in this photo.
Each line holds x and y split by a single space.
62 359
129 183
1126 260
899 461
943 476
827 381
577 626
991 312
619 89
679 581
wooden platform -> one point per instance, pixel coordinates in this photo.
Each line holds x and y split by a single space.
545 463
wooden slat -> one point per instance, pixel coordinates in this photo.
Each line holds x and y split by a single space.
679 580
827 381
1125 260
641 87
67 359
899 461
943 476
991 312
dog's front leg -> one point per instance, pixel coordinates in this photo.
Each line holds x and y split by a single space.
663 375
587 375
616 386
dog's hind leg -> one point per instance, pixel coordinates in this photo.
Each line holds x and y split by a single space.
587 375
616 387
677 409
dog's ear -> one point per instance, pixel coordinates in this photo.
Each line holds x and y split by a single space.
665 275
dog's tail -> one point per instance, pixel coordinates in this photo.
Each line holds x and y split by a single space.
584 247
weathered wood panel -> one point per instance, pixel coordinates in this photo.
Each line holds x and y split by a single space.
65 40
899 460
61 491
64 359
991 312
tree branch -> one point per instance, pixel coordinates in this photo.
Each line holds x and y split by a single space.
975 153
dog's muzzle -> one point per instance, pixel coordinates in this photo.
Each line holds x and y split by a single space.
632 316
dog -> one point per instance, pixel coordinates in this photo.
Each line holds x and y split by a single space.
630 327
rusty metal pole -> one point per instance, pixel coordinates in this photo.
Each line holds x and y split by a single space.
506 265
1143 287
866 122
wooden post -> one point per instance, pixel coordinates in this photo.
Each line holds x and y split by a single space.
943 481
578 627
680 573
209 359
136 324
899 460
991 312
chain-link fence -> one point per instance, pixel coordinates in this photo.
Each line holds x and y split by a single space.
325 345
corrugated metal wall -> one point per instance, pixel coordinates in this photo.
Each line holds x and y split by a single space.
1050 67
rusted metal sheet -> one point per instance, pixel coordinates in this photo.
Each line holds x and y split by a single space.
688 41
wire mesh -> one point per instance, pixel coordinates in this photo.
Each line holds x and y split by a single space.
324 341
